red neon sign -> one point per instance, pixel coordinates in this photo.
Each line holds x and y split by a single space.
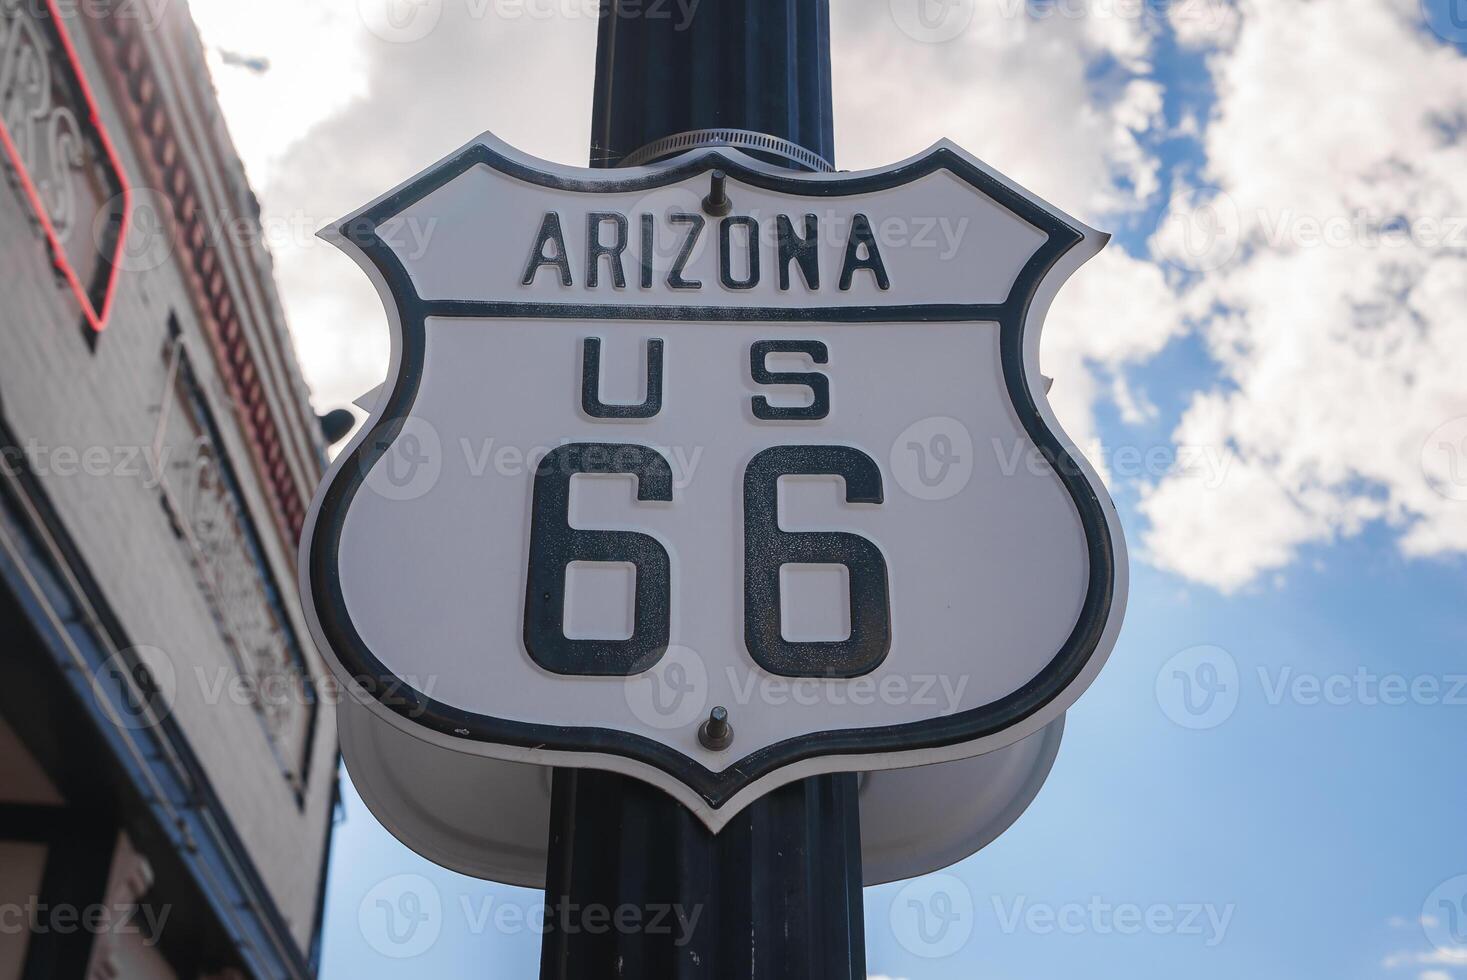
96 302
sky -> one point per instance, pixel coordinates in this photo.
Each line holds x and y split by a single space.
1267 363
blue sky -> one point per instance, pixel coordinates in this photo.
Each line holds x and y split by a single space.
1309 824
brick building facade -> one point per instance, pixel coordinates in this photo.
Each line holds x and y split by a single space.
167 748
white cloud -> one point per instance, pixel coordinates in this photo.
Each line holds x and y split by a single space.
1204 23
1341 351
344 115
1022 94
1116 313
1448 956
316 65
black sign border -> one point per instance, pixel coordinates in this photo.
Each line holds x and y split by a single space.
716 788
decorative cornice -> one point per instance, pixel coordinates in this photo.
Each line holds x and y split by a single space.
286 456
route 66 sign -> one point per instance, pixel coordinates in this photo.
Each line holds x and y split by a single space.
712 434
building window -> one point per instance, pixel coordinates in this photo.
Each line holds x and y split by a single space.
60 154
202 494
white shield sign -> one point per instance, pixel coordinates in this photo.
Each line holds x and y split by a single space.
712 434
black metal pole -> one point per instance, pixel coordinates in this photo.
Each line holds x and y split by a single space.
635 885
671 67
